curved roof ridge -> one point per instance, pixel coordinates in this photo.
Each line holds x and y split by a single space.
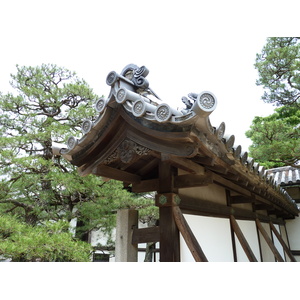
130 91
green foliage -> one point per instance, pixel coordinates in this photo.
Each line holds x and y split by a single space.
279 70
276 138
48 243
48 105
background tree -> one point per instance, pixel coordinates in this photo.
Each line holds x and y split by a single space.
49 243
276 138
278 66
49 105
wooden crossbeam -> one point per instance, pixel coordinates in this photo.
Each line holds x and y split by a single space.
283 244
269 241
145 186
116 174
240 199
191 180
242 239
145 235
188 235
194 206
184 164
181 181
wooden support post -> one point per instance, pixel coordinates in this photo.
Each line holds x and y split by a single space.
242 239
169 233
127 220
269 241
169 236
283 244
188 236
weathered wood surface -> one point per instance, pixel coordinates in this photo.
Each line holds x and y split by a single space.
188 236
269 241
191 205
184 164
283 244
169 233
242 240
116 174
145 235
181 181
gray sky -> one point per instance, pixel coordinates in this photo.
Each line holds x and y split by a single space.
186 45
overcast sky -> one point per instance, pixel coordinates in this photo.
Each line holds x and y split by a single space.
186 45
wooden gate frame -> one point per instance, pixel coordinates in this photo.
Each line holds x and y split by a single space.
143 142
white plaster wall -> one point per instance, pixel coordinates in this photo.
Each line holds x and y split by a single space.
249 231
293 229
267 253
277 243
213 235
285 238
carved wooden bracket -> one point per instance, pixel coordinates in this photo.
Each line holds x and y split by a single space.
127 152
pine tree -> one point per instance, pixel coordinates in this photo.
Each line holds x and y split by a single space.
49 105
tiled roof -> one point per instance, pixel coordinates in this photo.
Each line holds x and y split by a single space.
285 175
130 124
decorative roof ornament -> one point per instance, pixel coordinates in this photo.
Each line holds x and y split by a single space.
131 88
188 131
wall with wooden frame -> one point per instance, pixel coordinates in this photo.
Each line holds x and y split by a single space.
215 238
292 227
250 232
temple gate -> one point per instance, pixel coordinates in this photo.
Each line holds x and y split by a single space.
194 168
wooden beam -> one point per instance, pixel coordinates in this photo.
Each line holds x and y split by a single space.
145 186
240 199
269 241
184 164
191 180
242 239
116 174
195 206
283 244
296 252
148 166
145 235
262 207
188 236
181 181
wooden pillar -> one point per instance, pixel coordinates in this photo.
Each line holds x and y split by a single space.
127 220
165 200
